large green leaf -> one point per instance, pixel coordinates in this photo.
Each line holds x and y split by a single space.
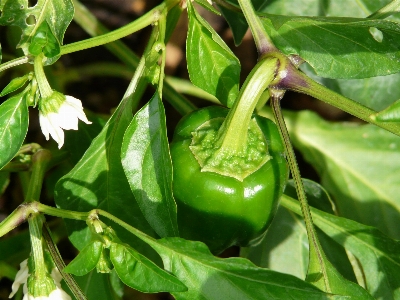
98 181
285 246
378 255
342 8
138 272
96 286
358 165
148 167
13 126
374 92
212 65
338 47
208 277
57 13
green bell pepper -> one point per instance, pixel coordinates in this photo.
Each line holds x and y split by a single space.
226 207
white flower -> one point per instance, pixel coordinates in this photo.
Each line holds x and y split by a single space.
22 278
57 294
59 112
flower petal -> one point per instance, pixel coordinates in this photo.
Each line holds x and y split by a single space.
67 118
55 131
20 278
44 125
77 105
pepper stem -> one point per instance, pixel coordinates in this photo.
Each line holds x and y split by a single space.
44 86
263 42
233 132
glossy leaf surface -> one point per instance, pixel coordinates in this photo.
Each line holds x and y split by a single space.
86 260
148 168
212 65
338 47
378 255
209 277
14 85
358 165
375 92
13 127
98 180
138 272
57 13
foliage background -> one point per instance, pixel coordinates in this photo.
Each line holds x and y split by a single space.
95 77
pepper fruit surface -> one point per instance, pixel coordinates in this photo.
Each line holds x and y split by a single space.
221 210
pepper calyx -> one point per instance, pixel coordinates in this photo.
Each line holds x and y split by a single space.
239 165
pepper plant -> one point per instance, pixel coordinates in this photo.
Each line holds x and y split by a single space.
153 214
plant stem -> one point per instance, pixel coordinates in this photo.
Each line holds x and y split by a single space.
386 11
263 42
233 132
40 161
13 63
44 86
35 232
93 27
314 244
147 19
299 82
58 261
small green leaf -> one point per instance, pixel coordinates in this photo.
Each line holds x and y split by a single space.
212 65
390 114
44 41
338 47
148 167
208 277
208 6
138 272
15 84
13 127
86 260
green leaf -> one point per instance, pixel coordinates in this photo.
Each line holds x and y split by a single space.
44 41
138 272
98 181
86 260
376 92
148 167
13 127
209 277
57 13
390 114
95 286
355 9
4 181
211 64
208 6
338 47
378 255
317 196
285 246
236 20
15 84
358 166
